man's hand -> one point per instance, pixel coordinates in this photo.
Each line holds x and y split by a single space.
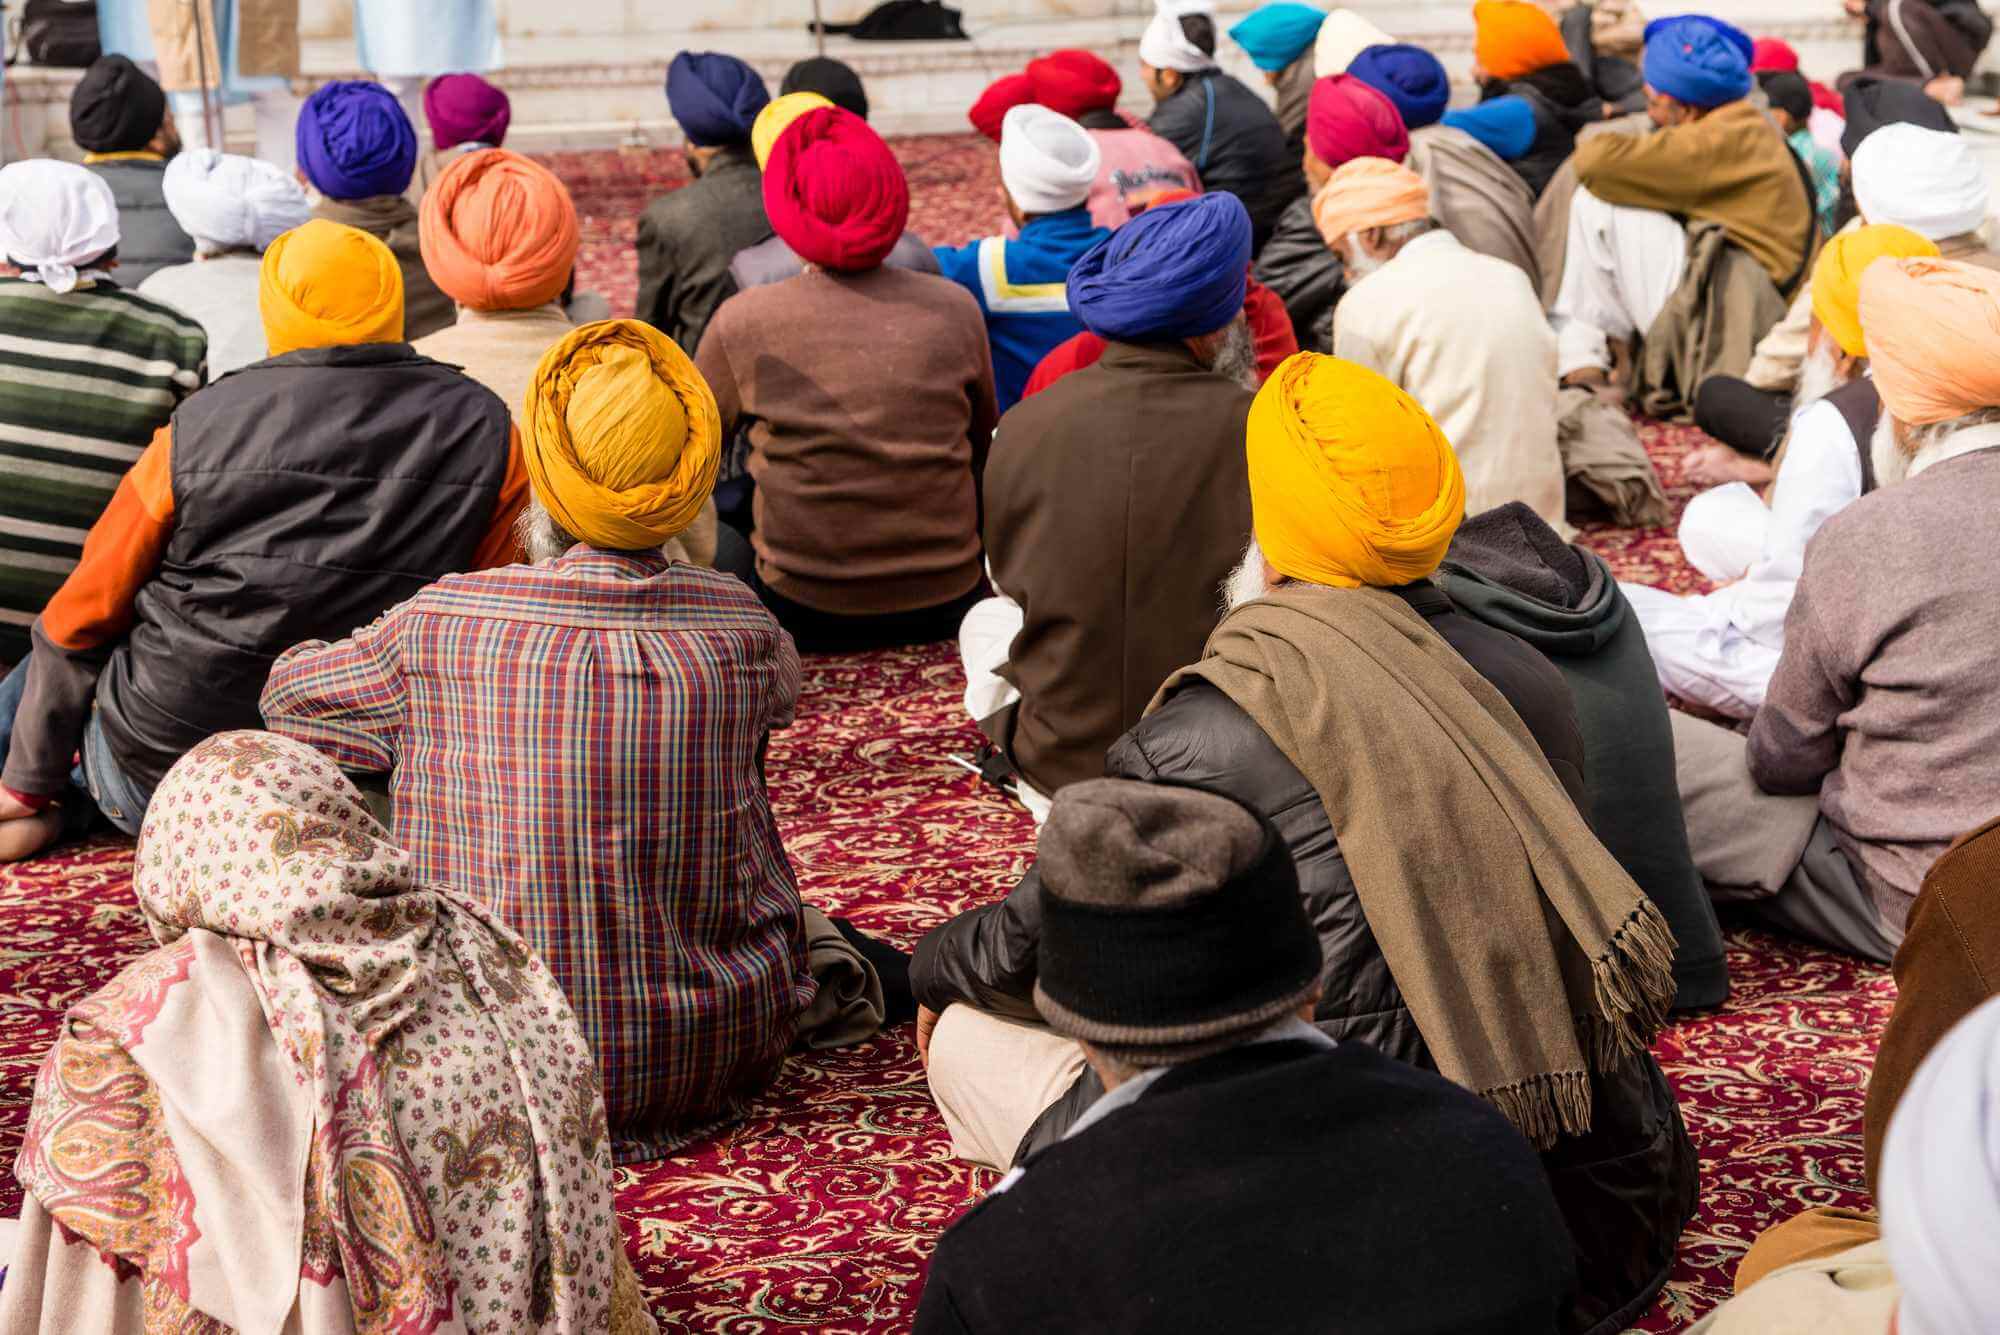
926 1025
1946 88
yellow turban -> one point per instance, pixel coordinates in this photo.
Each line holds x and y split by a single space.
1369 192
620 435
1351 482
1836 277
1933 338
776 115
324 284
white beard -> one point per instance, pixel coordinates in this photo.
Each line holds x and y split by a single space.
1358 262
1892 463
1819 375
1237 358
541 537
1247 583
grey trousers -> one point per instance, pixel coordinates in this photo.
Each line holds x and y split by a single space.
1773 857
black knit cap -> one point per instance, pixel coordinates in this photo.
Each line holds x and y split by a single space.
1871 103
832 80
1788 91
116 107
1171 921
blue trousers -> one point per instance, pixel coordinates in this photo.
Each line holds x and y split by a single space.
97 785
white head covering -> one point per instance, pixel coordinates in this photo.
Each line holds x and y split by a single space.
1926 180
1165 47
53 216
225 201
1047 161
1343 36
1940 1188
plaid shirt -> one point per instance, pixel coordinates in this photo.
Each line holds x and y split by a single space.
578 745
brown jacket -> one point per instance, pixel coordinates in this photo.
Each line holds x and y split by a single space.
267 41
1117 500
1709 326
1948 964
1731 167
392 220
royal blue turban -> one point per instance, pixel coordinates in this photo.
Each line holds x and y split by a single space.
1409 76
355 141
1275 35
1504 124
714 97
1697 60
1175 271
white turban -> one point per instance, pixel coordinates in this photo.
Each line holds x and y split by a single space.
1343 36
1165 46
1925 180
227 202
1047 161
1940 1188
53 217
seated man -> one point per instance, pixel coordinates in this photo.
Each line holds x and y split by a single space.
1116 499
1825 821
1518 51
1700 299
832 79
1134 162
1279 38
1047 166
1719 649
1460 332
1791 102
576 744
233 207
465 114
299 497
357 149
61 311
1344 700
1175 953
688 236
866 451
120 119
1932 44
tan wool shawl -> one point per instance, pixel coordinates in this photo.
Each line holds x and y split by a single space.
1526 954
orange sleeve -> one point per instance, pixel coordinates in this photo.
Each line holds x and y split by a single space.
502 545
95 604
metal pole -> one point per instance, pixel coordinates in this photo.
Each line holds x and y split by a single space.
211 123
819 27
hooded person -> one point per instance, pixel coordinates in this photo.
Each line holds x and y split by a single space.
866 477
655 685
1048 167
1195 1016
233 207
1340 657
337 477
120 119
357 152
1228 132
130 358
1693 236
688 237
1056 665
1133 163
1518 51
1279 38
465 114
1494 397
831 79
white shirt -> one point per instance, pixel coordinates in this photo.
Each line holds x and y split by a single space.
220 295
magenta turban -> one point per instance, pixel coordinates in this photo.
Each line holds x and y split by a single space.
465 109
1348 119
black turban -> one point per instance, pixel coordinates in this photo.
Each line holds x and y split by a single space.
1871 104
831 80
116 107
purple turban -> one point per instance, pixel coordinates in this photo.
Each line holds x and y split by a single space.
355 142
715 97
465 109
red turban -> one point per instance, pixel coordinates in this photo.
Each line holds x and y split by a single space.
1773 53
1073 82
834 192
1001 96
1347 119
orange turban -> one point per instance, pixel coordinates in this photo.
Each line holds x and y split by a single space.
621 435
1351 482
1512 38
1933 330
324 284
1369 192
498 232
1836 277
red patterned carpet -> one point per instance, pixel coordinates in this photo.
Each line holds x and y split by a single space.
820 1209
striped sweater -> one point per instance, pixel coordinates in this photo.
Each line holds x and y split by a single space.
90 376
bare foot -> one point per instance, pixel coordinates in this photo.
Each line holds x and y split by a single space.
1713 465
1598 382
1946 88
25 836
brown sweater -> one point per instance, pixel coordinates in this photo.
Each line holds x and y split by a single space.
1885 702
392 220
869 402
1116 503
1732 167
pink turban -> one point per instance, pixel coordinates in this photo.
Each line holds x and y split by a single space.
1347 119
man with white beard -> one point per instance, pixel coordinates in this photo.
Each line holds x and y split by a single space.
1719 649
1878 742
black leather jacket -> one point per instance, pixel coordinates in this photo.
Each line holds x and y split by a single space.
1297 265
1626 1188
1235 143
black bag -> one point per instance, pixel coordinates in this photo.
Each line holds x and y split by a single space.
59 32
900 21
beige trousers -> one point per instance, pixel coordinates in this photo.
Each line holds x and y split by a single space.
992 1078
